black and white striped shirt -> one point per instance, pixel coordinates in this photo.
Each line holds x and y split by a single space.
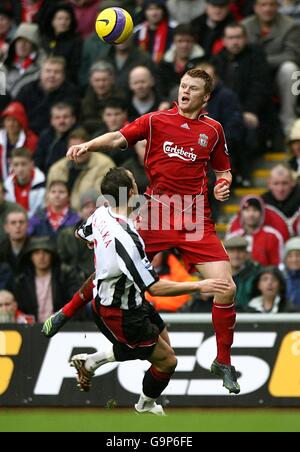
123 271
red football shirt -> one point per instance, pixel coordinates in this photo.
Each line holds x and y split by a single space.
178 150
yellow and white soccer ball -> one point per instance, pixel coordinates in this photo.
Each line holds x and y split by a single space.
114 25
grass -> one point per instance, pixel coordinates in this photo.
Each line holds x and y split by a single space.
119 420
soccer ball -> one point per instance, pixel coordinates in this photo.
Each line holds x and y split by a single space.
114 25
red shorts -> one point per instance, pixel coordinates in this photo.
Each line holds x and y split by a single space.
197 246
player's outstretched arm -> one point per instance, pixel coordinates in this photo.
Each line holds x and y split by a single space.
169 288
107 142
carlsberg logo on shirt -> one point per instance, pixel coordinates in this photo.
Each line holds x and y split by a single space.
172 150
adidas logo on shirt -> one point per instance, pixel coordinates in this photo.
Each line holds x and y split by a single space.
185 126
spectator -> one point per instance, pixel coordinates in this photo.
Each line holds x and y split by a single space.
24 58
125 57
137 166
169 268
290 8
244 69
269 293
279 35
296 225
5 207
184 11
144 97
7 31
52 145
14 134
83 175
284 192
60 38
155 34
57 215
114 117
44 287
26 184
292 270
12 247
38 97
294 145
209 27
184 50
86 12
9 312
74 253
265 243
244 269
31 10
101 88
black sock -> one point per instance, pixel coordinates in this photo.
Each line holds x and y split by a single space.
155 382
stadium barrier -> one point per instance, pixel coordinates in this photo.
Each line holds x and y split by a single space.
35 372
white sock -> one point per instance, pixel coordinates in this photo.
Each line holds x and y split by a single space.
145 403
98 359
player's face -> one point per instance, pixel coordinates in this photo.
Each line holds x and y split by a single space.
22 169
234 40
192 96
293 260
268 285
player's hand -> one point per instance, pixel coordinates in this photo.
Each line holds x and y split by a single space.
214 286
222 191
77 151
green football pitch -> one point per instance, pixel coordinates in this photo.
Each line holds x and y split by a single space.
119 420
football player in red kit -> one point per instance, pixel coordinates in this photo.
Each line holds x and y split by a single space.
180 144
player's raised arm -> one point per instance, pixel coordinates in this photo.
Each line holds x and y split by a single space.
106 142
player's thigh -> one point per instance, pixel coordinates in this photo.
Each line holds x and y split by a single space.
219 269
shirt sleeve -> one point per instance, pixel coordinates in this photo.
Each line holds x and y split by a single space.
220 155
139 270
137 130
85 231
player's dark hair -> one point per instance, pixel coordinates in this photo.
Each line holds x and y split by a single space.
199 73
116 180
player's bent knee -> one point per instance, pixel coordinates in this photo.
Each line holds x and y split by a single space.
171 363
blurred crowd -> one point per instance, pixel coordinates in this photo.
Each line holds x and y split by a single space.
60 85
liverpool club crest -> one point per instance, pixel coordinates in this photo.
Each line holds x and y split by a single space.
203 140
